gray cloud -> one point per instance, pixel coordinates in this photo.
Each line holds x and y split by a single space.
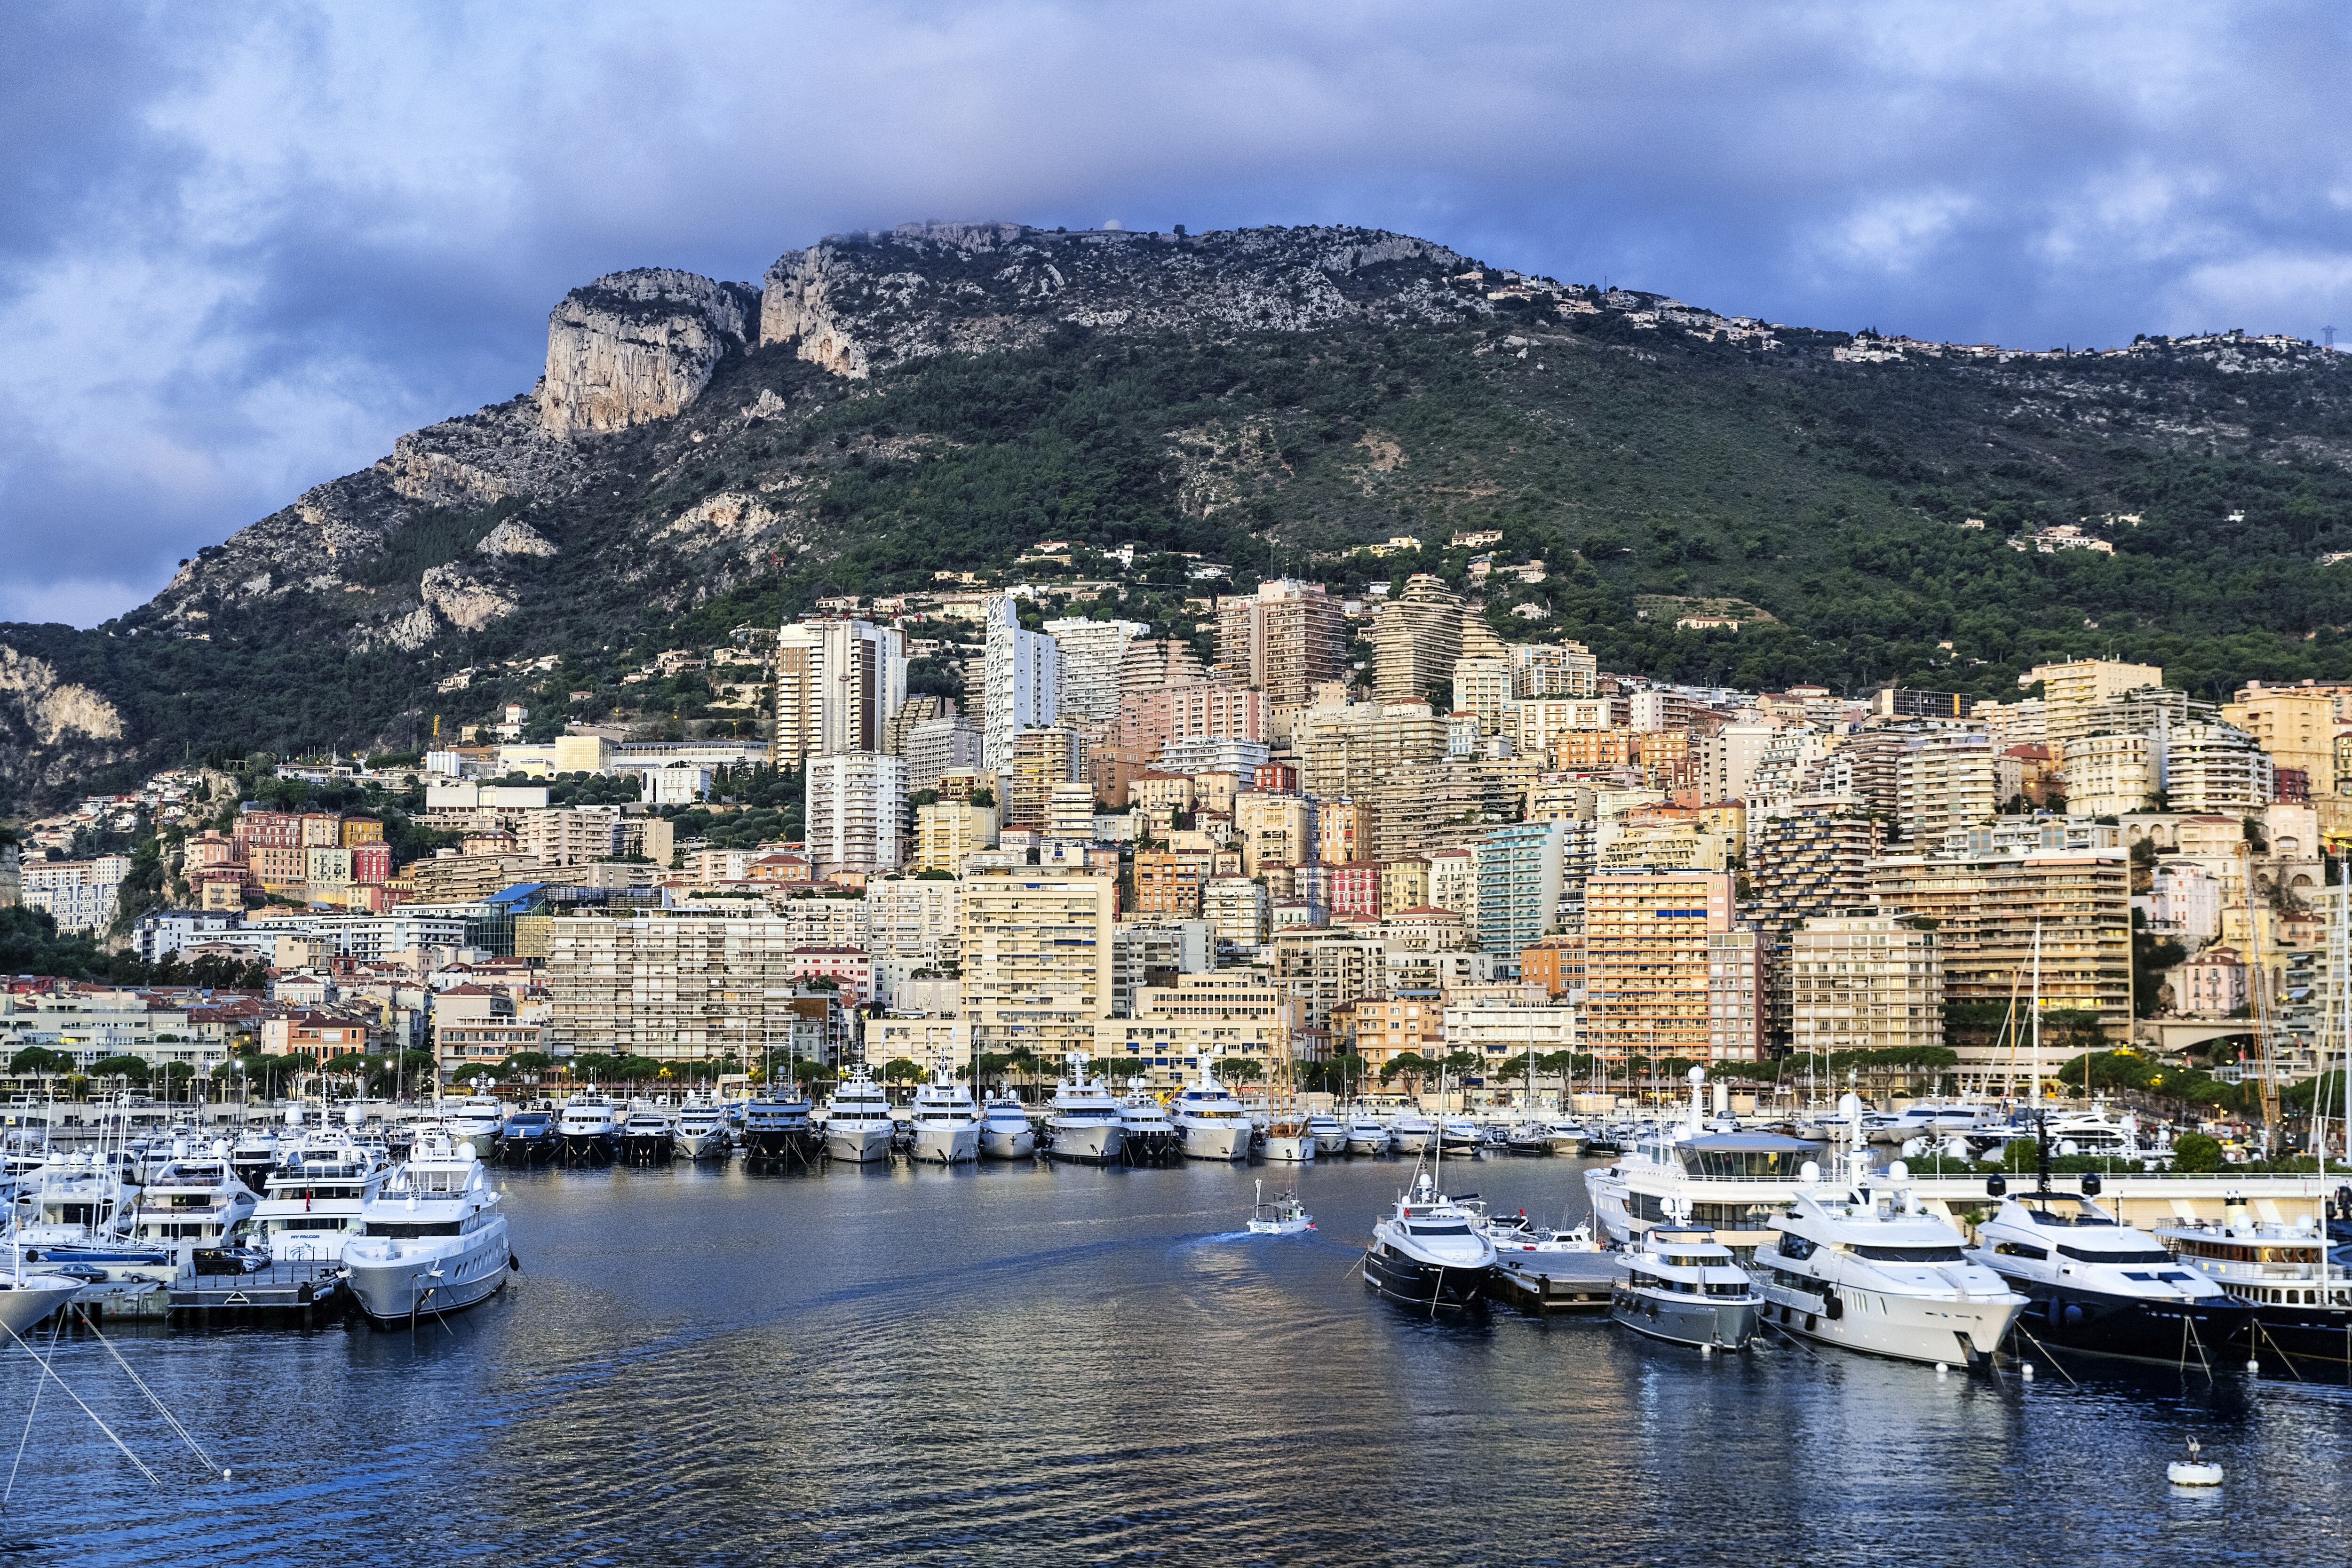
241 250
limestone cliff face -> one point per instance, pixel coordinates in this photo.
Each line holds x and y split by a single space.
51 730
855 303
639 345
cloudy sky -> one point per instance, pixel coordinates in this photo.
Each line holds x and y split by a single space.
243 247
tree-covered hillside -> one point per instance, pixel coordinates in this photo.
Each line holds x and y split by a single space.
1830 489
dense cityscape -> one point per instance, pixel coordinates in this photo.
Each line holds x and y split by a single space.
1351 839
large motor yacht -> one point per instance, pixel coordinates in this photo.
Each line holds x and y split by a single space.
1861 1264
702 1133
529 1138
1681 1285
312 1204
1330 1133
1209 1120
946 1120
857 1123
194 1198
1368 1134
588 1130
479 1120
778 1129
1005 1132
1430 1252
1146 1135
2300 1298
1085 1124
77 1200
1734 1183
647 1135
434 1241
1411 1132
2102 1287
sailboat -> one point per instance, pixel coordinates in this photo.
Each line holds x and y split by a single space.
1290 1138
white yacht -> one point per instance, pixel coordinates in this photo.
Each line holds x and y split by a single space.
1734 1183
946 1121
2101 1287
312 1204
1289 1137
1147 1136
1005 1132
1411 1132
1085 1123
1430 1252
197 1198
27 1298
702 1133
1569 1136
587 1130
1367 1134
1330 1133
856 1119
434 1241
1209 1120
1681 1285
78 1199
647 1135
1861 1264
479 1120
1459 1135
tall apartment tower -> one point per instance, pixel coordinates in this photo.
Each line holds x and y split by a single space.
1093 654
1287 637
1020 676
855 804
1417 640
2069 691
838 685
1554 669
1942 782
1650 962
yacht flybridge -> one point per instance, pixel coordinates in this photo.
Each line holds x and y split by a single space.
1734 1183
312 1205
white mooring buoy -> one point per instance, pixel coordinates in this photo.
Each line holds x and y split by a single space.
2192 1471
1943 1371
2026 1372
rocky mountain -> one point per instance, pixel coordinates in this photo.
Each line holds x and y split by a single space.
883 406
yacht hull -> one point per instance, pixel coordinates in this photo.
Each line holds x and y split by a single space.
778 1143
1408 1141
1091 1144
30 1300
1367 1144
1147 1145
1902 1328
1430 1286
399 1288
535 1149
1290 1147
997 1145
2096 1322
1726 1326
714 1144
947 1146
585 1148
1331 1142
858 1145
1204 1140
2313 1339
647 1148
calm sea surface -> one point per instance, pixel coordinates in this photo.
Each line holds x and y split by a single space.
1062 1364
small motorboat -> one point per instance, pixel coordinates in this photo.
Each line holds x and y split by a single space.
1285 1216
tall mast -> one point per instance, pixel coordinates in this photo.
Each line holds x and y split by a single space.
2037 1014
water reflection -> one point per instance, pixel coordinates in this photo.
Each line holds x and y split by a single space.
1058 1363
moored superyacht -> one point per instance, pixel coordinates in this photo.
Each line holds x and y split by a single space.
312 1206
1146 1134
588 1131
2101 1287
1861 1264
1681 1285
946 1121
857 1123
2299 1297
701 1131
1209 1120
1005 1131
1085 1124
433 1238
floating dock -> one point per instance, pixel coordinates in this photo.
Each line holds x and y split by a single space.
1558 1283
284 1295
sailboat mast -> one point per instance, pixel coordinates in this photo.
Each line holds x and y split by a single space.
2037 1013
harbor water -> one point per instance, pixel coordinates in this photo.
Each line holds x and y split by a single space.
1053 1364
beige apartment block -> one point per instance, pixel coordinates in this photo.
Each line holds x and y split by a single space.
1173 1028
1482 686
2070 691
1346 751
1864 982
1988 909
1404 885
1277 829
1942 783
1648 961
2296 727
1285 639
947 831
672 987
1417 640
1036 960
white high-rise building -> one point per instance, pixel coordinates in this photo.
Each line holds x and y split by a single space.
857 812
1092 654
1021 674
